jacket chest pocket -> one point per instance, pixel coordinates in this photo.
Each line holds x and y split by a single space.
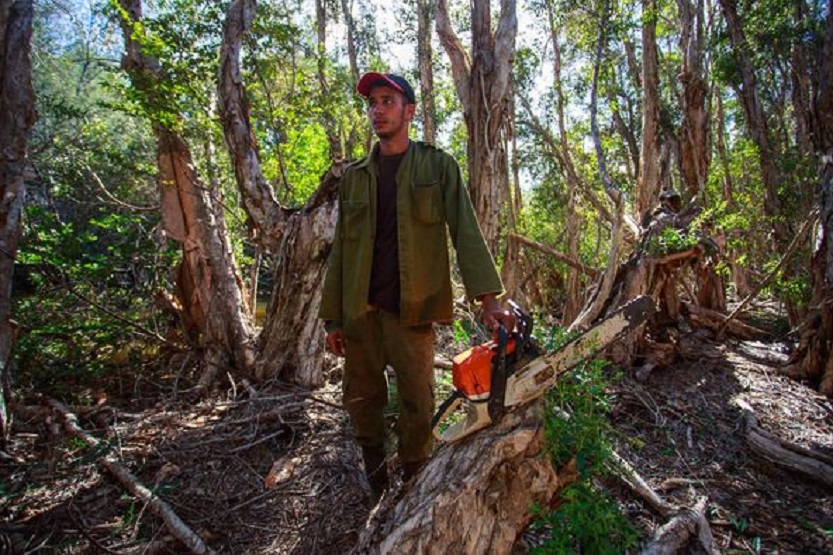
427 202
355 218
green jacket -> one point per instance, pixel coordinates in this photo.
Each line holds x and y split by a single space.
431 198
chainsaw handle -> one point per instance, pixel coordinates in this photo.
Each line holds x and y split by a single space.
477 418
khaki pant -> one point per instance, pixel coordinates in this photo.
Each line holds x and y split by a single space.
382 341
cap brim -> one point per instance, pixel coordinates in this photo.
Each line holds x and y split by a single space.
369 79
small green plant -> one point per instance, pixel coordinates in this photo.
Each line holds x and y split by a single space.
740 525
588 522
577 428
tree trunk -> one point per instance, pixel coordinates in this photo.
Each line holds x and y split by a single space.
292 340
755 120
208 287
474 496
649 167
17 115
327 119
425 17
483 87
291 343
694 130
573 301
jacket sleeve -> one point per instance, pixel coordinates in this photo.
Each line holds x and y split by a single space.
476 264
331 299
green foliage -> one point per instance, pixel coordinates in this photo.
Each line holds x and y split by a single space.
671 240
588 522
577 428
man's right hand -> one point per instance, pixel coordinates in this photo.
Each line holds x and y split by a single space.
336 343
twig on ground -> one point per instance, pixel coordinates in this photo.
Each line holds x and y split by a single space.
175 524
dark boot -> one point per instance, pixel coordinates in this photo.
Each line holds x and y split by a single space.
411 469
376 469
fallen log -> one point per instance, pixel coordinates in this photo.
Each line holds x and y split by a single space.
175 525
812 464
678 533
474 496
720 323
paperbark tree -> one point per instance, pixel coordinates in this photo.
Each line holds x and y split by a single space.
291 343
572 306
758 129
756 122
483 83
208 289
17 115
694 137
330 127
694 129
649 166
425 16
814 359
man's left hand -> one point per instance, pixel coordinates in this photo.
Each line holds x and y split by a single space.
494 314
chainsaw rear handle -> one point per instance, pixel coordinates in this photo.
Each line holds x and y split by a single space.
477 418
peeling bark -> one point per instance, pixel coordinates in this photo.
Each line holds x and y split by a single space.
291 343
474 496
17 115
649 166
483 84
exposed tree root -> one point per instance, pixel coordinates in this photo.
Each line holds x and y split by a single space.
813 464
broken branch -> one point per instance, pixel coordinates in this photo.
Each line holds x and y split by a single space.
175 524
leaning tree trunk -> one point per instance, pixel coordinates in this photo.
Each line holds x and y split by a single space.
208 287
17 115
483 81
291 343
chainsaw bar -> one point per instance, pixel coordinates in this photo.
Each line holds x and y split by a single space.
535 378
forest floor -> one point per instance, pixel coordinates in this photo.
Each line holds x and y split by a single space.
274 470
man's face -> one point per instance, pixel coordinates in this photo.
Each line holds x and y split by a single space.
389 112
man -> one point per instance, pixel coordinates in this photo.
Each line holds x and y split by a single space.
388 277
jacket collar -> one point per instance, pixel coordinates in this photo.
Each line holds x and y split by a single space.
370 160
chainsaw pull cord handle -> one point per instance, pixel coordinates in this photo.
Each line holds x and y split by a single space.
497 390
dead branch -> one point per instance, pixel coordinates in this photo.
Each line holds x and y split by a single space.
590 271
693 252
175 524
720 323
678 533
782 453
811 219
631 477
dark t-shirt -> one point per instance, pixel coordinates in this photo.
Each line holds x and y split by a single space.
384 275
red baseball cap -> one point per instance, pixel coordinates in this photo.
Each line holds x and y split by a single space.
369 80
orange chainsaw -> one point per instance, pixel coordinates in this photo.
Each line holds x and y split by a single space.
510 369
